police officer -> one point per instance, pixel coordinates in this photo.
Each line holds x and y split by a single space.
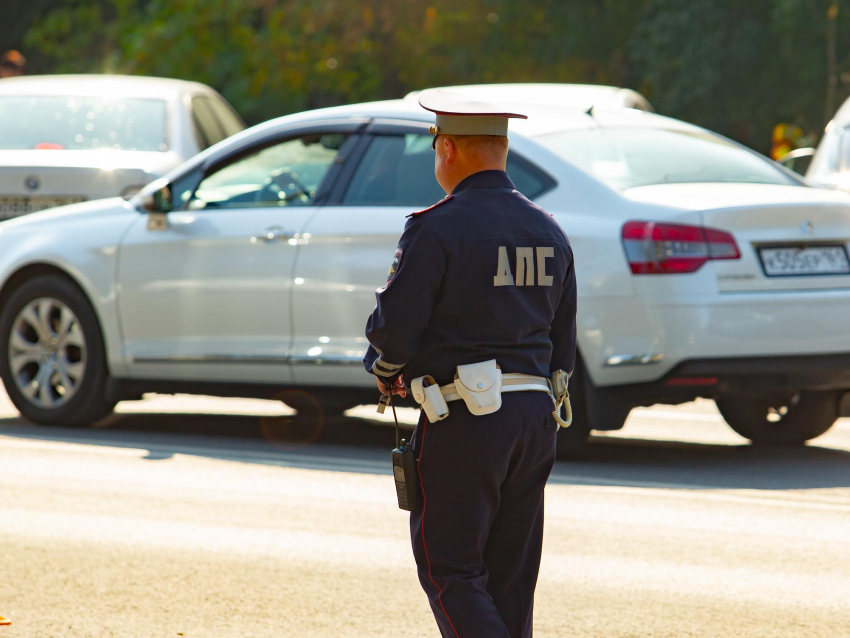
482 275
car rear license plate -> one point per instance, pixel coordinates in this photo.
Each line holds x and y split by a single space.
14 206
791 261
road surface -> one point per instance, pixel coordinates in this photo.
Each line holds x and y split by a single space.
191 516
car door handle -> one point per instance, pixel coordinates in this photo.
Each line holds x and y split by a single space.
271 234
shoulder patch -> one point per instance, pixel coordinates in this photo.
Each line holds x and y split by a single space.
394 265
442 201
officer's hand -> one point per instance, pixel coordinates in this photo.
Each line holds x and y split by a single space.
397 387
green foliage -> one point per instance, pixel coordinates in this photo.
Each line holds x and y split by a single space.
740 67
736 66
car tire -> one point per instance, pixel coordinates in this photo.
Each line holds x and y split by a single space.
593 409
52 355
780 420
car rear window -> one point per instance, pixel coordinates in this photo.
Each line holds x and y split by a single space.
624 158
83 123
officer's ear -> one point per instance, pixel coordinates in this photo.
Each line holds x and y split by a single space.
449 147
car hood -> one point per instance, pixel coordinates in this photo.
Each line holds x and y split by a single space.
728 195
147 161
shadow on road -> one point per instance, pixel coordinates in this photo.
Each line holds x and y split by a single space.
357 445
612 461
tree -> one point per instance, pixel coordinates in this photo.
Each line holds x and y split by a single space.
738 68
269 58
18 17
733 66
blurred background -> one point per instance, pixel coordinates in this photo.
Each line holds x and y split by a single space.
767 73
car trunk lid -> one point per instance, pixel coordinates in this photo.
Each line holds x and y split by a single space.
34 180
790 237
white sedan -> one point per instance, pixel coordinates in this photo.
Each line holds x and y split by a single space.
72 138
704 270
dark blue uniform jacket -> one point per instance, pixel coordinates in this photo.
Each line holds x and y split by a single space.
484 274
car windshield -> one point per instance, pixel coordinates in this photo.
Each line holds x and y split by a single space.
628 157
82 123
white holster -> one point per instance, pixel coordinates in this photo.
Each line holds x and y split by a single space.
480 386
427 393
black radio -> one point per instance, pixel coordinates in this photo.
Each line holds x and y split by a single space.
404 465
406 479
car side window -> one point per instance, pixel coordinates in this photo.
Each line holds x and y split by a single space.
398 170
288 173
207 129
529 180
226 116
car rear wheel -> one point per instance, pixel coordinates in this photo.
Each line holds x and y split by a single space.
780 420
52 359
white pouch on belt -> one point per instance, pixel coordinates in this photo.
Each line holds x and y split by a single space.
427 393
480 386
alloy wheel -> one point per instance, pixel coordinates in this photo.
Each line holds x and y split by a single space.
47 353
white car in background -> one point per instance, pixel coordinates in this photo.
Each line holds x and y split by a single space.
577 96
73 138
704 270
828 165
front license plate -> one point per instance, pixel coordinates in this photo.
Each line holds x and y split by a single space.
793 261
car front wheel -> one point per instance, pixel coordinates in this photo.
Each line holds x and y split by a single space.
52 359
780 420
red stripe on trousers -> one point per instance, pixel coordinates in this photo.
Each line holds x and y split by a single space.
424 546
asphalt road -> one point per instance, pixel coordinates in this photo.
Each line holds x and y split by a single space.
172 519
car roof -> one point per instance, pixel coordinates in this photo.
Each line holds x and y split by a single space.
98 85
574 95
542 119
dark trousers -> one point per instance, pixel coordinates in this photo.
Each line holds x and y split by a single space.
478 536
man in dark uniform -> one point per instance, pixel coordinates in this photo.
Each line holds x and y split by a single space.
482 275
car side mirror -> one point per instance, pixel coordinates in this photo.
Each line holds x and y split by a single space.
158 201
157 204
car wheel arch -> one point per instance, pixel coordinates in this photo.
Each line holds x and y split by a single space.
38 269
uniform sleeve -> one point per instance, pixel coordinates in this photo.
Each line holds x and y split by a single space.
404 303
563 332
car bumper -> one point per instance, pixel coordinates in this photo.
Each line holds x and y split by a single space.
639 340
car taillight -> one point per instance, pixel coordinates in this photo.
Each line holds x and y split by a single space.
654 248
